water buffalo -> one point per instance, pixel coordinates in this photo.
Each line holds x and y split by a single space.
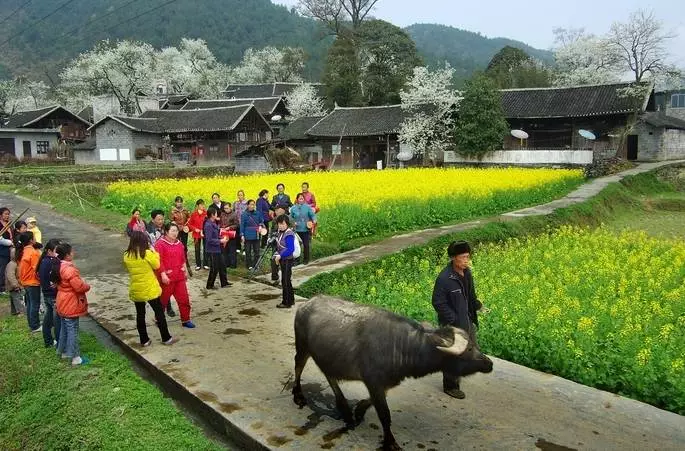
350 341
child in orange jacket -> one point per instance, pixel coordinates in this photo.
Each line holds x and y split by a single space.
71 305
27 257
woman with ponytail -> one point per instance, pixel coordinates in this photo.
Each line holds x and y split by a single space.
71 304
27 257
142 263
48 264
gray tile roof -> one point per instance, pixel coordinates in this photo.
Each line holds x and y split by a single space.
265 105
180 121
297 129
363 121
659 119
206 120
577 101
251 91
24 119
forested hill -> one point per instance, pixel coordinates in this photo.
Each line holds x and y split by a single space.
466 51
228 26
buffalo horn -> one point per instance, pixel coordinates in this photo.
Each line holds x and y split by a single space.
461 342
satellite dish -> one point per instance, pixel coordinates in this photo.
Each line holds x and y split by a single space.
405 156
587 134
520 134
276 117
406 153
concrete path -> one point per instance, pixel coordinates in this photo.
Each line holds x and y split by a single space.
398 242
237 368
239 362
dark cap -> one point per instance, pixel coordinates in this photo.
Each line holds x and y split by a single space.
457 248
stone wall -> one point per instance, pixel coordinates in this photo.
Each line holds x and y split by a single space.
648 141
673 145
526 157
675 112
113 135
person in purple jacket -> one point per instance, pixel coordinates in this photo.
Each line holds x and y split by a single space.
213 249
284 258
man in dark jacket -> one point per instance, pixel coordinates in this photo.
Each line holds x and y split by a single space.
455 301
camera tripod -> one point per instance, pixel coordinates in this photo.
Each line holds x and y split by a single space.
269 250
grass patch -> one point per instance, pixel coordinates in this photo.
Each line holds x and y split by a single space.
104 405
84 206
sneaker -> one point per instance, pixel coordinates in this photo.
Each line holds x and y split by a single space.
147 343
54 343
188 324
228 284
80 360
170 341
197 268
35 331
249 268
282 305
170 311
206 267
455 393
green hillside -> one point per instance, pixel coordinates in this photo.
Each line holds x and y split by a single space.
228 26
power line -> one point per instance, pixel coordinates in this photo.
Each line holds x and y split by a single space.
15 11
87 24
130 19
62 6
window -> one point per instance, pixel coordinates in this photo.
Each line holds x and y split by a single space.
678 101
213 148
108 154
124 154
42 147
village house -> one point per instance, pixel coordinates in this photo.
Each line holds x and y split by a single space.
273 109
41 132
207 136
554 118
349 137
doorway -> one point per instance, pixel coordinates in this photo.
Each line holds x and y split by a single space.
632 147
27 149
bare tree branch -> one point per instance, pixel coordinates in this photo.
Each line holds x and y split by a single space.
334 13
640 43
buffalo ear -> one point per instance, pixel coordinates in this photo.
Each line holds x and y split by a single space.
458 345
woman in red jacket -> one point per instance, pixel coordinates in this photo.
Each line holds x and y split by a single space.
195 224
71 304
172 272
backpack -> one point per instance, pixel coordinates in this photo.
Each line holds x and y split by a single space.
298 246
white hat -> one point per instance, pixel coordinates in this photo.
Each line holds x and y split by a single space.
30 220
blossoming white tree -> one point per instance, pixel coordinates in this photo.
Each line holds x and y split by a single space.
124 70
270 64
583 59
304 101
429 103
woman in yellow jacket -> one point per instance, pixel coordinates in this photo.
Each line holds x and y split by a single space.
142 261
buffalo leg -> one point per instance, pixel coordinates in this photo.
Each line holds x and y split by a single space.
341 403
380 403
301 358
360 410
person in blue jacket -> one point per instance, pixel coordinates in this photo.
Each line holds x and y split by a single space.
264 208
304 218
250 223
284 258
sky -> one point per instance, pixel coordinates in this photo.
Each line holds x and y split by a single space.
530 21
